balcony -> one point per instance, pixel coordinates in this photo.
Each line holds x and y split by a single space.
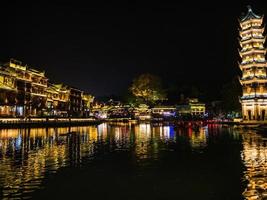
254 29
254 96
256 61
252 38
38 94
39 84
253 79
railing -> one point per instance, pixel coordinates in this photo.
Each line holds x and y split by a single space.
254 96
40 84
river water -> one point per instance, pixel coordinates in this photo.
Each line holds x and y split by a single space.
133 161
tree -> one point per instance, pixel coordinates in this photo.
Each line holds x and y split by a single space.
230 96
148 88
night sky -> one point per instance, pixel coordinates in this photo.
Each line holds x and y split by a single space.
101 47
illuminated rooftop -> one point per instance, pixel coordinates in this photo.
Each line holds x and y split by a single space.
250 15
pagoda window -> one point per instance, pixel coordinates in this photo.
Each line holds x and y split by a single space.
258 45
258 58
1 79
245 36
255 24
261 89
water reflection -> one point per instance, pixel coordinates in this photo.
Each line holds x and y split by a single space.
198 139
29 156
254 156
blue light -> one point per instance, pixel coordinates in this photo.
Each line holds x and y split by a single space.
18 142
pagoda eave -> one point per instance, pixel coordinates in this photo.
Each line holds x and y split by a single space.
252 39
251 30
253 64
246 24
244 43
251 81
253 51
253 98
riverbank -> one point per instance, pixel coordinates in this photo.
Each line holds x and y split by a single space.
46 122
244 124
65 122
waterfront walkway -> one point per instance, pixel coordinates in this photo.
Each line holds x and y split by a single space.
46 122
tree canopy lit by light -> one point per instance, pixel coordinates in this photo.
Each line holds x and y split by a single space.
148 88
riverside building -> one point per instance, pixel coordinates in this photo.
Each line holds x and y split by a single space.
192 107
26 92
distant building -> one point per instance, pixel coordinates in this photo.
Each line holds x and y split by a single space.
253 67
75 102
142 112
99 110
192 107
58 97
112 109
8 93
163 111
87 101
30 85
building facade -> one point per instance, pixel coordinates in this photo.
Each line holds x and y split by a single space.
8 93
253 67
163 111
58 97
192 107
75 106
87 101
26 92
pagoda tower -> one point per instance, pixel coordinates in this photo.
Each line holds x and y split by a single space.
253 67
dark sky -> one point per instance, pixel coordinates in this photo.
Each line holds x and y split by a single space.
101 47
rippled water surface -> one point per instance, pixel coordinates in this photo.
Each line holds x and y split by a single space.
133 161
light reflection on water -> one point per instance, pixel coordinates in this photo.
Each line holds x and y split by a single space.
29 156
254 155
26 156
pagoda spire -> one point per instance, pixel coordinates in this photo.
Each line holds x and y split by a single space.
250 15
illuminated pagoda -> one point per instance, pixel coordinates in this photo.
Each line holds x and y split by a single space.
253 67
